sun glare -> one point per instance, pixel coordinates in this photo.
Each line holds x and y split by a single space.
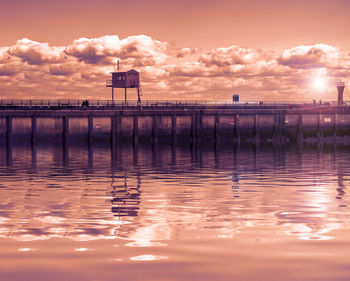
319 83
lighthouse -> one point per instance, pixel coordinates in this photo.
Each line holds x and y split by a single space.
340 88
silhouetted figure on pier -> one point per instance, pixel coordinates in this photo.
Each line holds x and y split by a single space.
85 103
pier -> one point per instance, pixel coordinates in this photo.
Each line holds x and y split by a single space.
174 121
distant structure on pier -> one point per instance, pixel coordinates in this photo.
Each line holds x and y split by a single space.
128 79
340 87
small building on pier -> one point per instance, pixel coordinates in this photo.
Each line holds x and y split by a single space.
128 79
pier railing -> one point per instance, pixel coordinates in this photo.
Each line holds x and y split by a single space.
171 104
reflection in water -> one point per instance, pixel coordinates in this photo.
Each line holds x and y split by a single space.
148 258
341 186
224 192
126 199
165 203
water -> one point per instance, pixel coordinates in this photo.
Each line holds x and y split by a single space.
174 213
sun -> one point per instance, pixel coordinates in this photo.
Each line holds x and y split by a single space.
319 83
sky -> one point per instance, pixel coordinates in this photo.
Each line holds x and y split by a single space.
272 50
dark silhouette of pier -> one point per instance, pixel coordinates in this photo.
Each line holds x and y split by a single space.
175 121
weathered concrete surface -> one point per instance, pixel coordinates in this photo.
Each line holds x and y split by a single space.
145 126
78 128
126 127
183 125
208 125
21 129
3 127
164 125
226 125
343 124
101 128
266 125
246 125
49 127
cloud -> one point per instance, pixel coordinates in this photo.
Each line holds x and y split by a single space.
79 70
233 55
314 56
140 50
4 56
183 52
36 53
62 69
7 70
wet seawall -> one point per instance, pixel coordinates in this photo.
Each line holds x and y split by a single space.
326 124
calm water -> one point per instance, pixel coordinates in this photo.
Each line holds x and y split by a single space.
174 213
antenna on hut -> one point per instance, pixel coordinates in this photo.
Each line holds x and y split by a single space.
118 65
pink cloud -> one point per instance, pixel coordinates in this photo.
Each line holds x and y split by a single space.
183 52
29 68
314 56
4 56
231 56
137 50
8 70
36 53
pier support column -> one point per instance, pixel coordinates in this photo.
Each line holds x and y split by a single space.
65 129
282 121
113 130
216 129
173 129
200 125
118 125
114 142
136 127
277 128
90 129
256 130
155 129
33 136
237 131
300 137
194 128
9 130
319 131
335 130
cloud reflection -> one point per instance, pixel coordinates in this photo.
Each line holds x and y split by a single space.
148 258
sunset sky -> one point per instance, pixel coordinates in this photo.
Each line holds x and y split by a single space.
272 50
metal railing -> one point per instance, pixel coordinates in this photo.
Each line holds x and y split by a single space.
171 104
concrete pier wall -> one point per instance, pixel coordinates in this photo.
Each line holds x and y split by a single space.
49 127
3 127
145 126
195 125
